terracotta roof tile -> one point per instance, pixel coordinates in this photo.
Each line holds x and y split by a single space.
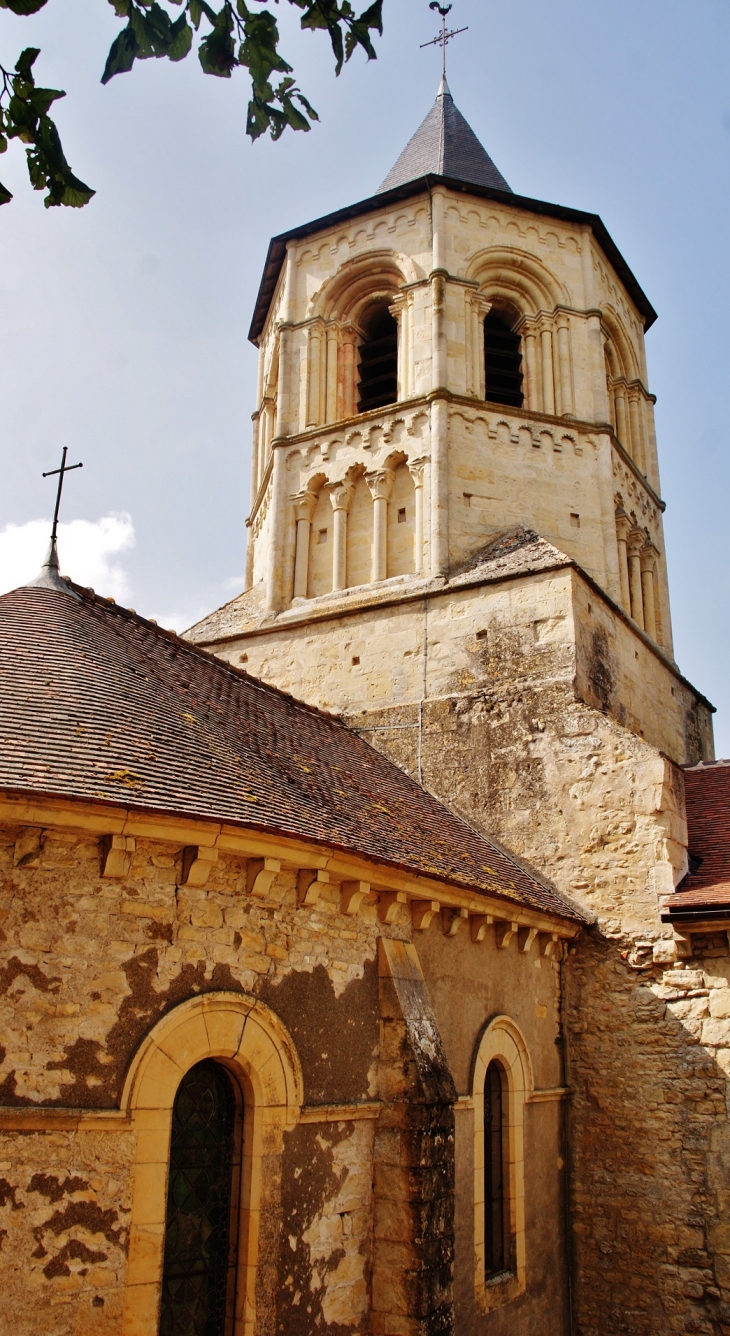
707 887
97 703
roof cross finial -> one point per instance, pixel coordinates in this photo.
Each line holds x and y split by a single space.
64 469
444 37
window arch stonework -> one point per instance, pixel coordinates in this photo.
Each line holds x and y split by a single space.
252 1042
502 1043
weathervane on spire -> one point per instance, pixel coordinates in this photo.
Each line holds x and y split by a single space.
444 37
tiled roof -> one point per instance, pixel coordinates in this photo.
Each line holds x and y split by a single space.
97 703
707 887
445 145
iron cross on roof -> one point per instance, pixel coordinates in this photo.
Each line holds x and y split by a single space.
64 469
444 37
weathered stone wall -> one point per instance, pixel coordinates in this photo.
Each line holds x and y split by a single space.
88 965
546 720
358 1208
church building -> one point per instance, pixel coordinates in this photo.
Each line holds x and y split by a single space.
364 955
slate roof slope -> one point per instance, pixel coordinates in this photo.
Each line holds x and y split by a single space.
707 888
445 145
97 703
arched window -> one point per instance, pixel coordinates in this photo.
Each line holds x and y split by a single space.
378 384
200 1231
496 1257
502 361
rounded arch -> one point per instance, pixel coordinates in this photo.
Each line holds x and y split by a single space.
517 279
250 1040
620 352
366 281
503 1043
503 1039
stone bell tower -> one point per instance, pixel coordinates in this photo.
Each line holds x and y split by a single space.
443 367
455 541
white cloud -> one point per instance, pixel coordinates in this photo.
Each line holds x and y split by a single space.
86 549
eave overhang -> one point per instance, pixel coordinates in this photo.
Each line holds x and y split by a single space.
277 246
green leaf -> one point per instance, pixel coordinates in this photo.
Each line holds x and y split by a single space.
22 7
25 62
43 98
182 38
122 54
5 196
217 51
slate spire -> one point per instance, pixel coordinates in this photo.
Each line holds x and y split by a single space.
445 145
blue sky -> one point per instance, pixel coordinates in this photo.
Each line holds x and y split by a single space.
124 325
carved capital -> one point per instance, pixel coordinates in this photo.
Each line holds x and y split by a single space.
649 556
305 505
380 484
416 469
341 495
635 541
623 524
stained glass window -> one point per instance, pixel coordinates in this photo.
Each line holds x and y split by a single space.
495 1250
197 1272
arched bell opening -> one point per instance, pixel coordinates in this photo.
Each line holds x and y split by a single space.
201 1218
502 358
378 360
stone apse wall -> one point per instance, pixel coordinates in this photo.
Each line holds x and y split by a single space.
115 978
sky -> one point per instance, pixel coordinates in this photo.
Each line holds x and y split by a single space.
123 326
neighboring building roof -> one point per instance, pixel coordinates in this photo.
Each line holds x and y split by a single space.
98 704
705 891
445 145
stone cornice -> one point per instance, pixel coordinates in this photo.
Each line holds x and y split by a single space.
99 819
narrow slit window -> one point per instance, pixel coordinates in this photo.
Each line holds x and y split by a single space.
503 362
200 1240
378 362
495 1175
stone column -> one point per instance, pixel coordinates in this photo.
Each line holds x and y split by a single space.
331 372
637 436
648 577
438 332
399 310
548 384
304 507
635 543
564 366
283 384
254 457
248 579
416 469
341 497
439 487
276 532
266 432
622 425
348 355
469 343
623 524
314 354
381 485
532 379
